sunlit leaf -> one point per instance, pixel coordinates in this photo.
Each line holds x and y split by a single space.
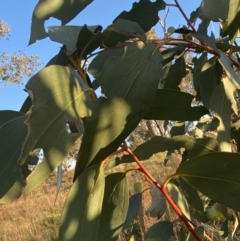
216 175
82 210
58 95
179 199
129 91
233 19
115 207
62 10
158 202
217 212
221 108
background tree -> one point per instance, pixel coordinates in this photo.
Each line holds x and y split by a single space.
15 66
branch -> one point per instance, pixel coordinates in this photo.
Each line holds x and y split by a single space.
186 221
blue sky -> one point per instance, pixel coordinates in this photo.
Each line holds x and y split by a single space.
18 14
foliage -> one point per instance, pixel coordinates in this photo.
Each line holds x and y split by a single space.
141 79
15 66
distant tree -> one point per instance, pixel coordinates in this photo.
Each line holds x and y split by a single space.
15 66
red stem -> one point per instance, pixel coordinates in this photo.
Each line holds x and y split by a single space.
185 16
164 192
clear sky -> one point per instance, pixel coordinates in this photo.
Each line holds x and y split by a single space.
18 14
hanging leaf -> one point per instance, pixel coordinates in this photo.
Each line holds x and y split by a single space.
158 202
12 136
160 231
170 53
144 13
129 91
82 210
89 40
221 108
174 105
209 77
175 74
216 175
231 82
194 200
62 10
68 35
115 207
178 129
233 19
58 95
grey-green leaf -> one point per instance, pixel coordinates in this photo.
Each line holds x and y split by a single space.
216 175
62 10
82 210
59 96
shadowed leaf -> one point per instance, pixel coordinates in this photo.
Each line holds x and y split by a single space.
144 13
233 19
12 136
7 115
208 172
160 231
174 105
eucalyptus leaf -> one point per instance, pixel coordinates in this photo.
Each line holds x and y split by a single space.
82 210
216 175
62 10
233 19
58 95
129 91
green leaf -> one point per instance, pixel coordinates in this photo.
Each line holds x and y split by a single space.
233 19
221 108
135 202
210 76
231 82
115 207
174 105
68 35
208 10
88 41
127 28
62 10
216 175
12 136
217 212
170 53
179 199
194 200
82 210
96 65
161 231
58 95
144 13
157 144
178 129
129 91
26 105
175 74
8 115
